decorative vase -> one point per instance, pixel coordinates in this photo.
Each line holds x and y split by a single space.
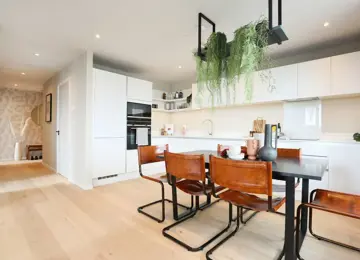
268 152
252 148
17 152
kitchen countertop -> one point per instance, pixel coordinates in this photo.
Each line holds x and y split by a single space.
245 138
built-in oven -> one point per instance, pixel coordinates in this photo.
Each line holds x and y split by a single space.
133 124
138 110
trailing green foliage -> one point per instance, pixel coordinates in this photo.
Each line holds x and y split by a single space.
224 63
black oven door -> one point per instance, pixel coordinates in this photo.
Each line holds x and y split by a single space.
137 110
131 136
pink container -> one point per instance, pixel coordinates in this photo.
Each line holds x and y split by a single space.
252 148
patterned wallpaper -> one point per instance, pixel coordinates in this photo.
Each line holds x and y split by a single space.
17 105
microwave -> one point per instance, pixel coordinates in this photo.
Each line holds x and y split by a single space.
138 110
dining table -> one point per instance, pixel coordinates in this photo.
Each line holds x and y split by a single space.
288 170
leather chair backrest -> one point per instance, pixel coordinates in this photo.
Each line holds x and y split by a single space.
245 176
149 154
289 153
182 166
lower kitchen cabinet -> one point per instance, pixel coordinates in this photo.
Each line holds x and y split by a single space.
132 163
344 169
108 156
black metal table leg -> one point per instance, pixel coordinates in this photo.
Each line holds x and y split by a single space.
304 212
289 243
174 197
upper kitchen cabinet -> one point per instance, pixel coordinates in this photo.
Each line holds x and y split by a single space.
200 99
109 104
204 99
314 78
275 84
345 74
139 90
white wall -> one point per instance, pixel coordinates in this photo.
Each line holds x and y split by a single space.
79 72
339 116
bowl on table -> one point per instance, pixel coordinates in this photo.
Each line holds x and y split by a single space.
240 156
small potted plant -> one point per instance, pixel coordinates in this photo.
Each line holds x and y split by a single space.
357 137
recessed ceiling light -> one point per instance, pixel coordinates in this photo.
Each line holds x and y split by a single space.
15 85
326 24
97 36
23 73
37 54
180 67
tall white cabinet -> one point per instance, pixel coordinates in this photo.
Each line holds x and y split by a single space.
139 90
109 136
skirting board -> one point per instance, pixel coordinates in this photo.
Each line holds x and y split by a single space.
49 167
120 177
12 162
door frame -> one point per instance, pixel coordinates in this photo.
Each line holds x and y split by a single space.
68 81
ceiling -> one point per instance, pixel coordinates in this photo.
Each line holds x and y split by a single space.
148 38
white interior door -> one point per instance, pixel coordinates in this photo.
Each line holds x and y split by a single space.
63 129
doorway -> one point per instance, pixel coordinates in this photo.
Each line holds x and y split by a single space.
63 129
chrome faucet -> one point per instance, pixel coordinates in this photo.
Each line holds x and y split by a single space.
210 131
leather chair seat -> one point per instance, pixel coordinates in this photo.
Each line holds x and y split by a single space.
250 201
195 188
340 202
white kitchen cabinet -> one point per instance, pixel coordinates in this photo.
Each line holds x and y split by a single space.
345 74
261 86
109 104
132 163
314 78
343 168
204 99
239 91
284 80
139 90
200 99
108 156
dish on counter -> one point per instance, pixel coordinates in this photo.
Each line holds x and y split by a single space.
237 156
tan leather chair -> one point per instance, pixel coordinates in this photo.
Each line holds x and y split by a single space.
332 202
146 155
190 172
244 181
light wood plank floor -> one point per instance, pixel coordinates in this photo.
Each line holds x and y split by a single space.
42 216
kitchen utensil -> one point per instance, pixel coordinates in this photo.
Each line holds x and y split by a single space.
269 151
259 125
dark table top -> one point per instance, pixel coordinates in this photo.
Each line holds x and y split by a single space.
312 168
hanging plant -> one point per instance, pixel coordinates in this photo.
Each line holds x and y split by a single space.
211 71
225 63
